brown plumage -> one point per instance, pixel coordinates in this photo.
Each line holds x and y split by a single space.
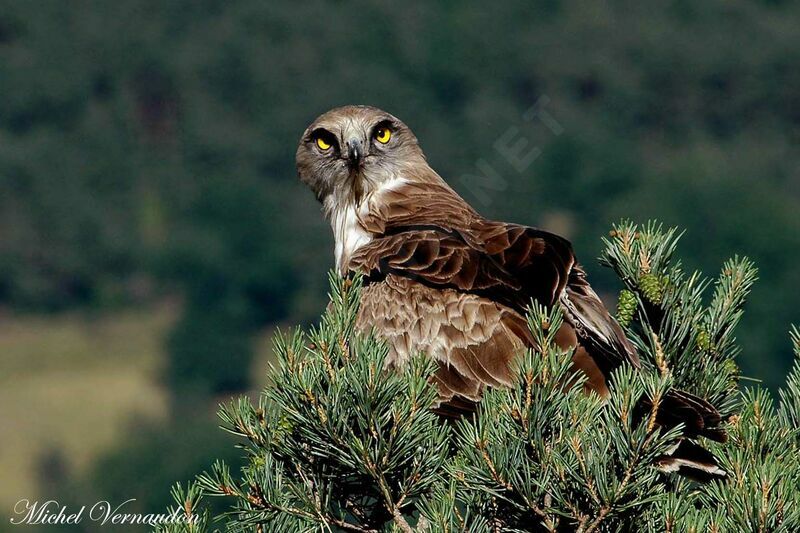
443 280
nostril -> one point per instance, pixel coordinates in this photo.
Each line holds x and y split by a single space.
354 151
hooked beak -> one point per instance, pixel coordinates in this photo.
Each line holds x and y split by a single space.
355 152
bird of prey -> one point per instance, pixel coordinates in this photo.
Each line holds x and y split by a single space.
443 280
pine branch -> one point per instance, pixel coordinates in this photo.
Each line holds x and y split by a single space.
663 310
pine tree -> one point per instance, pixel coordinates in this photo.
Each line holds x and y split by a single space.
338 443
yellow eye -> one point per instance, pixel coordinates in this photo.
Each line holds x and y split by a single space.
322 144
383 135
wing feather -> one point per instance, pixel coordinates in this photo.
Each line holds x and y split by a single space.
594 326
507 264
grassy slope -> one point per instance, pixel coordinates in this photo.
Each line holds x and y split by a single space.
69 384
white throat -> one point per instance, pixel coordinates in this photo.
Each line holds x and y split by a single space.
349 235
348 232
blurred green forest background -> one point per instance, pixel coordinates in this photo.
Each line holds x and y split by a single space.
153 232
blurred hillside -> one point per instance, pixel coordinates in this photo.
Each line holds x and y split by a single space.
147 151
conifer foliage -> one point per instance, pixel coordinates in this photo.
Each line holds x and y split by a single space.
339 443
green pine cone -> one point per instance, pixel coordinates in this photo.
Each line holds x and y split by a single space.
732 369
703 339
626 307
284 427
652 287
